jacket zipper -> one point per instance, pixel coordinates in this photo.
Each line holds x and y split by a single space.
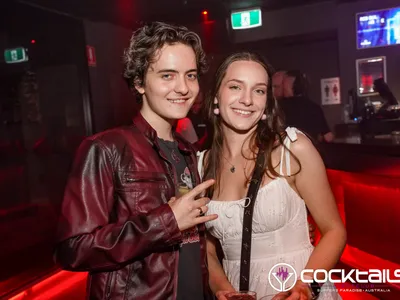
174 177
130 180
174 180
109 283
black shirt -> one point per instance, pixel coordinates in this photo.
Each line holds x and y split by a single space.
305 115
190 285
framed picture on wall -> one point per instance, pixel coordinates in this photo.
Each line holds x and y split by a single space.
368 70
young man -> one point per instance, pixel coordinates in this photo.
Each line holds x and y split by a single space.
120 220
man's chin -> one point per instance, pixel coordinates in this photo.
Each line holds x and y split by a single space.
175 117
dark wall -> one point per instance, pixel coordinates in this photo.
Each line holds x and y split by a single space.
292 21
112 102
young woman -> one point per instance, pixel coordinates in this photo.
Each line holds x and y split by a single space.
246 120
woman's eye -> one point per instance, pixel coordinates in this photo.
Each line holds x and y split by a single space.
261 92
234 87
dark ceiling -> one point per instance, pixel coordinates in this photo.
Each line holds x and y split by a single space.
127 13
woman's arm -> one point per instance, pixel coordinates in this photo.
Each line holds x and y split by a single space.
313 186
218 281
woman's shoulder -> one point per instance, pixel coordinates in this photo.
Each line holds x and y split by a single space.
301 145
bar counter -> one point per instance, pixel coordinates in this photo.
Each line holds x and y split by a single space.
379 156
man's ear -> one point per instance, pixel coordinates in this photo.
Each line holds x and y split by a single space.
138 86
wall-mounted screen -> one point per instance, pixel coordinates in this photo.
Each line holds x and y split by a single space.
368 70
378 28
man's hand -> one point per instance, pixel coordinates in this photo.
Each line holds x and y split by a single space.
188 211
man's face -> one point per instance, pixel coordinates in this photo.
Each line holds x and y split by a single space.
170 85
288 86
277 84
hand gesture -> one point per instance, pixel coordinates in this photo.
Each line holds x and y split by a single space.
188 211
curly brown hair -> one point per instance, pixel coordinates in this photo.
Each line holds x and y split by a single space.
147 40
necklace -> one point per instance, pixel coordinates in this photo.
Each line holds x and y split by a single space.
232 169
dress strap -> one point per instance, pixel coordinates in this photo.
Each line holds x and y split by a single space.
200 162
290 138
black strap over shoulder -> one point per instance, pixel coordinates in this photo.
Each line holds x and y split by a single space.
248 221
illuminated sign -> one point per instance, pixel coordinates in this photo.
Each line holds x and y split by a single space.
246 19
17 55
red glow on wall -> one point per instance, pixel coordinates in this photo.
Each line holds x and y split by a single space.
33 41
61 285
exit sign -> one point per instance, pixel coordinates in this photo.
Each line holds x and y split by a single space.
246 19
16 55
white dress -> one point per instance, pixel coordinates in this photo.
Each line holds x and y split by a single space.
279 233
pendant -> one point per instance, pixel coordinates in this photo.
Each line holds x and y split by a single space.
233 169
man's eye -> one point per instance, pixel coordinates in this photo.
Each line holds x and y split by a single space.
192 76
166 76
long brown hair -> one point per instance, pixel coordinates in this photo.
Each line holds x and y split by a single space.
268 135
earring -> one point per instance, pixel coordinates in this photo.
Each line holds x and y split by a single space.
264 117
216 109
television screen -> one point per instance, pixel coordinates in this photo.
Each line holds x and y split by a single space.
378 28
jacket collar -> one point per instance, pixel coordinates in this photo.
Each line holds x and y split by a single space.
146 129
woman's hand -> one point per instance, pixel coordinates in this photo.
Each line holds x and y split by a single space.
221 294
300 291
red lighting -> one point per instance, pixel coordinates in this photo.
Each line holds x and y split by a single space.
205 12
61 285
33 41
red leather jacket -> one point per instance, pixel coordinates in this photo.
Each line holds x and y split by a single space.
116 223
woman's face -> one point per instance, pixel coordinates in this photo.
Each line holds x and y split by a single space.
242 96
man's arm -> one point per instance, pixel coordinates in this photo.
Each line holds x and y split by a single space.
325 132
88 241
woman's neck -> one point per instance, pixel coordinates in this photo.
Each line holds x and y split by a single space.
236 143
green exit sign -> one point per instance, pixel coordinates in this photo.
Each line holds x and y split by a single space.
16 55
246 19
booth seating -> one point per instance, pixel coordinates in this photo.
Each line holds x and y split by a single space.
370 208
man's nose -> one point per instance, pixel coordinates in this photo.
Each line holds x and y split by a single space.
181 86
